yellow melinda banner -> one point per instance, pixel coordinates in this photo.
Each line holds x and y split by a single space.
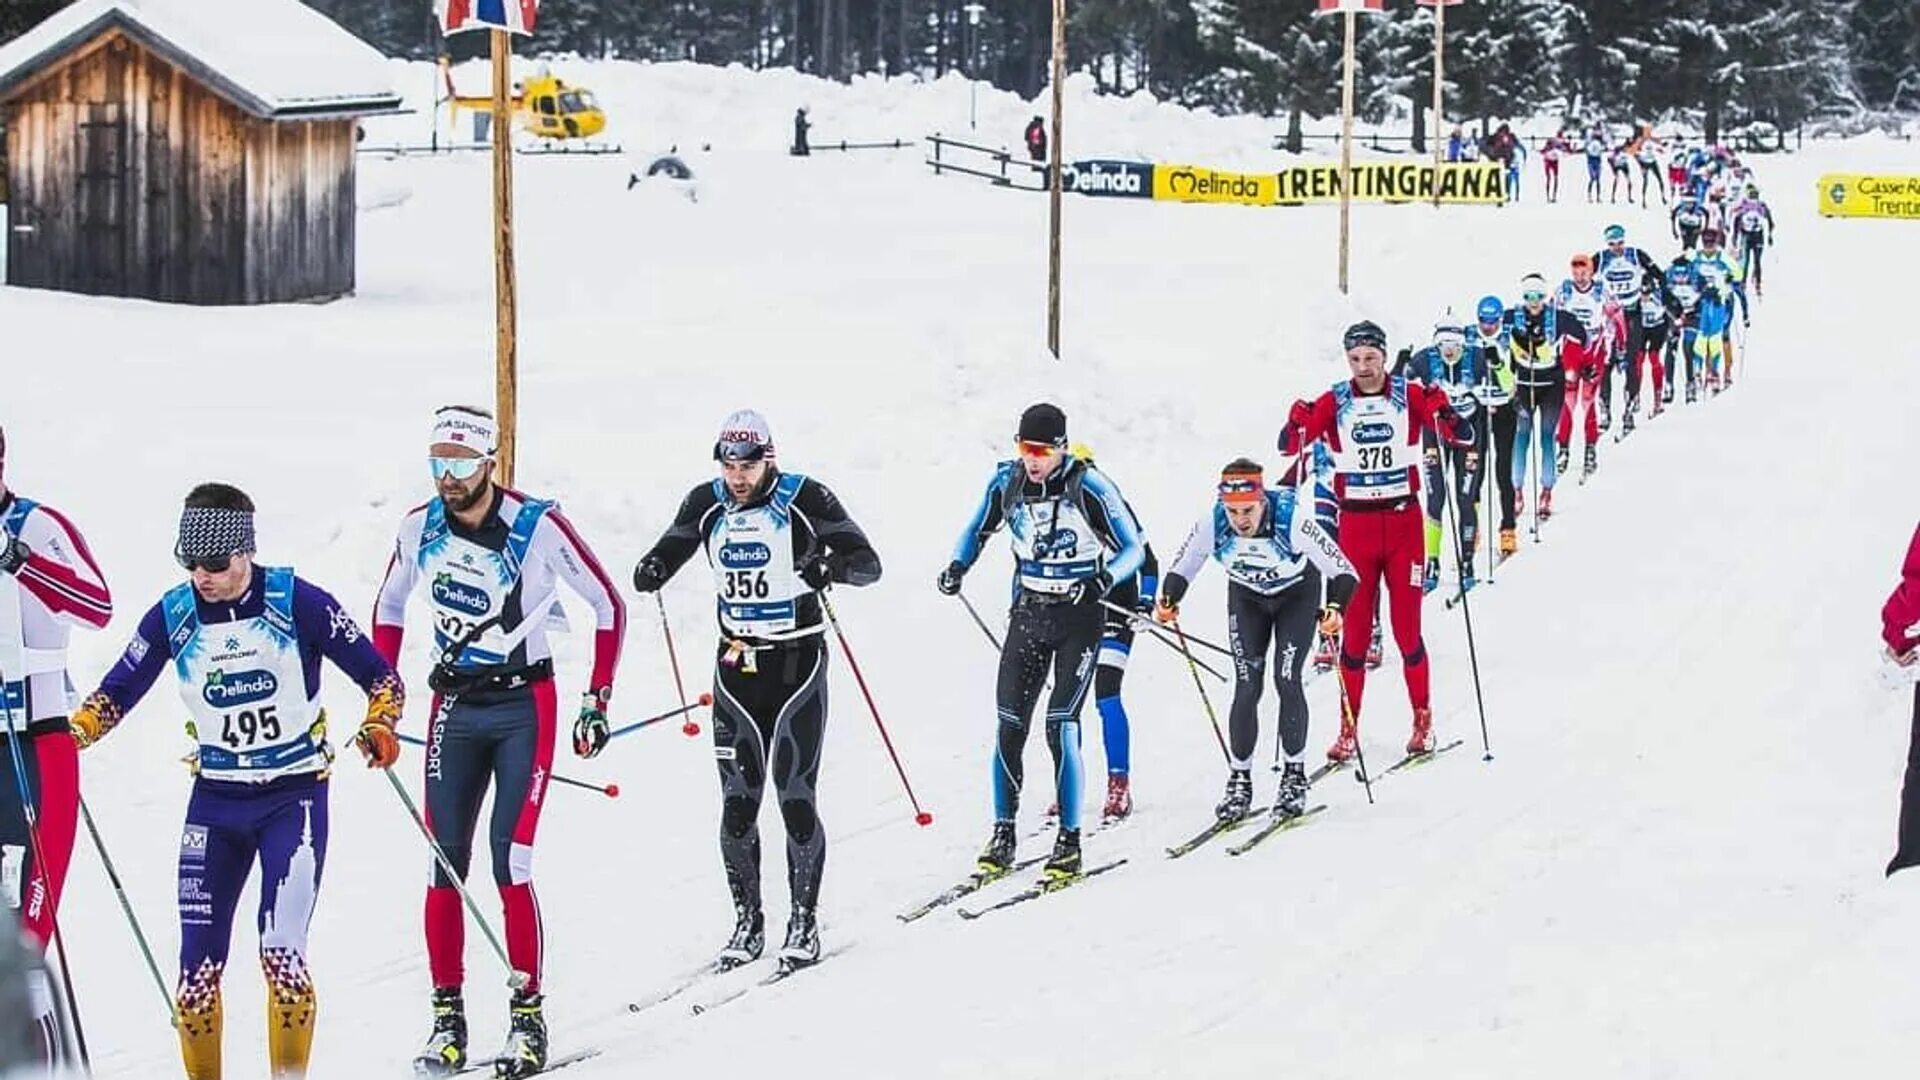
1192 183
1475 182
1849 195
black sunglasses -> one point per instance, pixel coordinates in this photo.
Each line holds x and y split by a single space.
212 564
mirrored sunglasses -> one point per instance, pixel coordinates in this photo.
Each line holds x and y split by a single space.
460 468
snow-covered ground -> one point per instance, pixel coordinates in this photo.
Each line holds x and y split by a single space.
1670 869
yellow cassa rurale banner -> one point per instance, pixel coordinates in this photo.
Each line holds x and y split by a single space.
1392 181
1853 195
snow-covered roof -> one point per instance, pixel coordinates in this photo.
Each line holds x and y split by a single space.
273 58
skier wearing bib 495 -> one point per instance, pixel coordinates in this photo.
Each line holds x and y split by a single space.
245 643
1447 365
1372 424
775 541
49 584
1625 270
1073 538
491 562
1276 555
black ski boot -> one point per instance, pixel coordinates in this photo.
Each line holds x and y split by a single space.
1291 799
1238 801
748 941
1562 459
1592 462
446 1050
1606 415
997 859
526 1050
803 943
1065 862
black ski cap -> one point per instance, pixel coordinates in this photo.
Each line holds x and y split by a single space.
1364 333
1043 423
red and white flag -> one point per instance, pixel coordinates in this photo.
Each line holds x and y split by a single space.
1328 7
511 15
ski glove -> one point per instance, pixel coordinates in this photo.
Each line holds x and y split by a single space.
14 555
377 744
820 571
590 730
949 580
1331 621
649 575
86 726
1092 588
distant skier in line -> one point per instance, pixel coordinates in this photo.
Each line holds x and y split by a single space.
1373 423
1754 220
244 642
1447 365
1900 629
1624 270
1492 339
1647 153
1073 538
1556 148
776 542
1542 333
1689 217
1595 149
1276 556
1654 350
1720 289
1683 295
1588 364
1116 645
1621 160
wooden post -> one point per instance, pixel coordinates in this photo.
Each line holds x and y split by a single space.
1346 153
1439 83
506 370
1053 178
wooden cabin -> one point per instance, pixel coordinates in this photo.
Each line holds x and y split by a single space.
193 151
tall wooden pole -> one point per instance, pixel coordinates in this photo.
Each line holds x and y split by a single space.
506 369
1053 178
1346 153
1439 77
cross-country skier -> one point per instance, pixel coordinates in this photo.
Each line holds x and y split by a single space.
1900 629
1326 510
1688 218
49 584
775 542
1073 538
1551 153
1492 339
1373 424
1683 296
1449 366
1587 365
1276 556
1116 645
1753 220
1654 318
1621 159
1624 270
1720 288
1647 153
1542 333
1677 169
490 562
1595 149
244 642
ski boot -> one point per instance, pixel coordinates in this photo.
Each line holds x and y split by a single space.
1421 741
1546 504
748 941
1562 459
1519 502
1065 861
1433 577
1591 463
1347 745
1509 543
1693 391
1606 415
1626 423
1238 801
997 859
1666 396
1291 798
803 943
446 1050
1323 655
1119 799
526 1050
1373 648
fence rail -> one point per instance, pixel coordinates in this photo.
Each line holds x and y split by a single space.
995 164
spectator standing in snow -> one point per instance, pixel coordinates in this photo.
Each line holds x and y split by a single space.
1036 139
1900 629
800 128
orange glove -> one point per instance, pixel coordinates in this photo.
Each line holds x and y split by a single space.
378 744
86 725
1331 621
1164 613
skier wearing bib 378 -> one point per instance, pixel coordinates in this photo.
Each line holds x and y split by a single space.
245 643
1276 555
776 541
1073 538
491 562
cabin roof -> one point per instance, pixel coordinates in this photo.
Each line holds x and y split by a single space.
276 59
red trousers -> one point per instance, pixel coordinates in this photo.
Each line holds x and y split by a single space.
53 778
1389 546
1582 392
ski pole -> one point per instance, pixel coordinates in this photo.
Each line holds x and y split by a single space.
1200 641
978 621
1473 654
1193 667
42 866
920 816
1349 720
515 979
139 936
611 791
691 727
1161 636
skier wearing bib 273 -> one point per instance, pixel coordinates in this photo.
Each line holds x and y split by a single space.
776 541
245 643
1276 555
1073 538
1447 365
491 562
1373 424
1625 271
49 584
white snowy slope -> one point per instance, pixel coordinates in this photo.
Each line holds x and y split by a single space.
1670 869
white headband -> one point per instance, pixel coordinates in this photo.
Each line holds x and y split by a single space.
460 427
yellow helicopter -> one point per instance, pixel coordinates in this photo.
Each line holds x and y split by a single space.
544 105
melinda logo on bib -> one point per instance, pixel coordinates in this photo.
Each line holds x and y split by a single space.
1372 433
462 598
1062 543
225 691
745 556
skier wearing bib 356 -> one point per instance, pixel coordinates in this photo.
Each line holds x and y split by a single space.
1373 423
491 562
776 541
1073 538
1276 555
245 643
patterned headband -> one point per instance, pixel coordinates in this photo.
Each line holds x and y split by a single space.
209 532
